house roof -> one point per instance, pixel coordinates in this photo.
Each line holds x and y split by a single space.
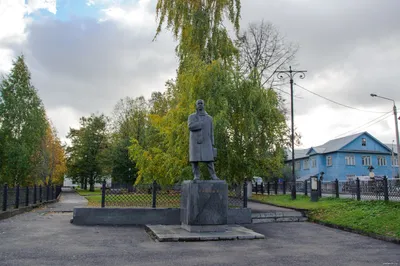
298 153
337 144
332 146
390 145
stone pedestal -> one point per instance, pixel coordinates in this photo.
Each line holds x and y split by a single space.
204 205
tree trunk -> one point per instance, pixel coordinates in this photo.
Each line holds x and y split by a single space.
91 186
91 183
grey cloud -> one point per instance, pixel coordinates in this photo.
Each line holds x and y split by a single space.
89 65
332 36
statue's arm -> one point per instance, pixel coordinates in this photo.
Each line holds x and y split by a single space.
194 125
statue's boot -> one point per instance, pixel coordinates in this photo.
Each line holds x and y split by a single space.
214 177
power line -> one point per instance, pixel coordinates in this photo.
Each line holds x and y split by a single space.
341 104
382 117
287 93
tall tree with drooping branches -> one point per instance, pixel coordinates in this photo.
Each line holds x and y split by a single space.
198 26
247 141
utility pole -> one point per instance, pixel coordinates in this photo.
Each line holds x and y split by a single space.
397 138
396 128
393 159
291 73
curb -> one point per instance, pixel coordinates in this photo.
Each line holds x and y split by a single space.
355 231
10 213
303 211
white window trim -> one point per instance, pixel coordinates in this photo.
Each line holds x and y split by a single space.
297 165
351 160
382 161
369 160
313 163
306 164
327 160
394 161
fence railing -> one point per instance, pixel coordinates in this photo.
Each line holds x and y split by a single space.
17 197
160 196
382 189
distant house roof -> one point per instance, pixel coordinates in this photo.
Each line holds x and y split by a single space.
331 146
298 153
389 145
337 144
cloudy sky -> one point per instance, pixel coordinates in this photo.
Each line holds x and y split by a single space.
85 55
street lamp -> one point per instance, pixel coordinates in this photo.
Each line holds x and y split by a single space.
396 128
291 73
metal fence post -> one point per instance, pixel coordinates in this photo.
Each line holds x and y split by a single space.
58 191
17 196
319 184
284 187
256 189
52 192
40 193
47 192
337 187
358 189
5 194
27 196
268 187
245 194
34 194
276 187
103 194
262 188
305 188
385 189
154 192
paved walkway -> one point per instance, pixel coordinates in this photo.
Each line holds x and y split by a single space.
50 239
68 200
260 208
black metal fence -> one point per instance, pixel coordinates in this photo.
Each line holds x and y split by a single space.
160 196
17 197
382 189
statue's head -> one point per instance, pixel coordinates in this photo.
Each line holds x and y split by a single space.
199 105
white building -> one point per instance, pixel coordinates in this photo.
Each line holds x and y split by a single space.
69 183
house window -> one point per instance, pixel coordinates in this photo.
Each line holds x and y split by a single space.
350 160
313 163
395 161
306 164
366 160
381 160
329 161
364 142
297 165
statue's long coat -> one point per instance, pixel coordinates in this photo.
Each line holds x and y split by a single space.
201 140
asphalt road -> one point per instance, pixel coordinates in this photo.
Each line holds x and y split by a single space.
46 237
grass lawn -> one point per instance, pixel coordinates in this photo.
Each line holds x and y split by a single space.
82 192
163 200
379 217
136 200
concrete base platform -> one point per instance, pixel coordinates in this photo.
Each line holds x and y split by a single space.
174 233
204 228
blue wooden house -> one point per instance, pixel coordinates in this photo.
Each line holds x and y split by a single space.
346 158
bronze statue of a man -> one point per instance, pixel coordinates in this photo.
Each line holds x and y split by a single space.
201 141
